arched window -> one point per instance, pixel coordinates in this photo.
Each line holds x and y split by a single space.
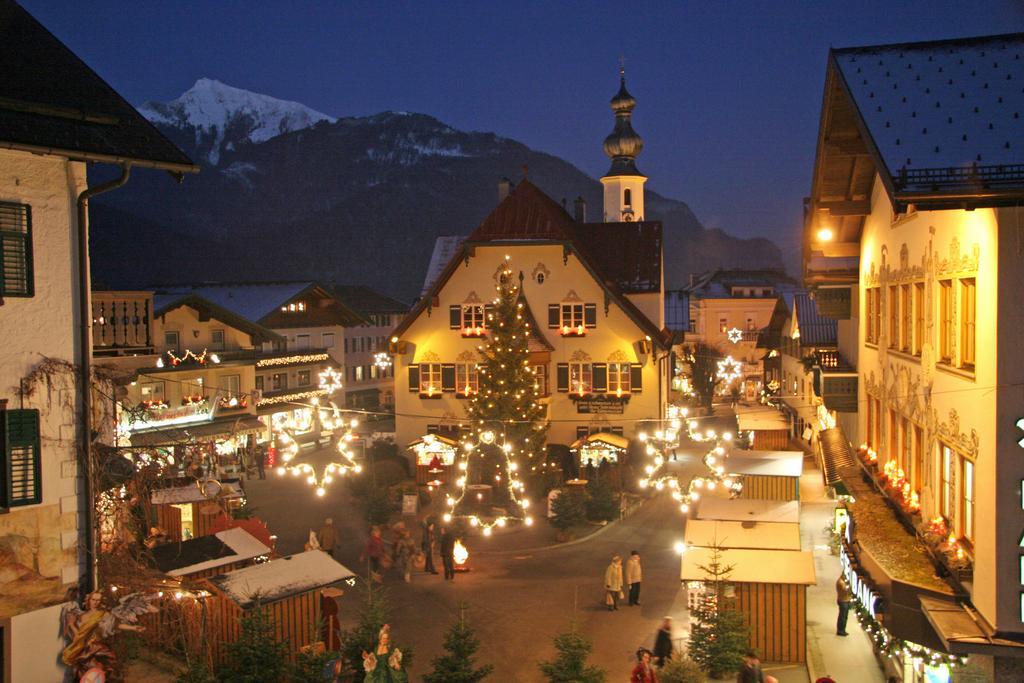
627 198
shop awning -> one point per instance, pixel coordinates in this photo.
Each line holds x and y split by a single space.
607 438
207 431
742 535
837 458
963 631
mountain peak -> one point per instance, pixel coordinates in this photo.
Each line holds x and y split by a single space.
223 116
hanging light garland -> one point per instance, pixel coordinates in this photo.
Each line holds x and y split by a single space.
664 440
332 420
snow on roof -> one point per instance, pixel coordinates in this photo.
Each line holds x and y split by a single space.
244 546
783 464
941 104
749 510
281 578
252 301
445 247
751 535
190 493
754 418
752 566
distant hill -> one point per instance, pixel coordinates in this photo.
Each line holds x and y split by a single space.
288 192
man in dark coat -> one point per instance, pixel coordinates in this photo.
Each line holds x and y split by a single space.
663 643
448 553
427 545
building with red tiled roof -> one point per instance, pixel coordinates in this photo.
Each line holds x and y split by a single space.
593 291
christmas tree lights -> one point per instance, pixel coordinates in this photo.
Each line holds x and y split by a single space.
506 417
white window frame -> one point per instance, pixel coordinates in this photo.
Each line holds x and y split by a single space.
430 378
327 340
467 379
571 315
619 378
474 316
581 378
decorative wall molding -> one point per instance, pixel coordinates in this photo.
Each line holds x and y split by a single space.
467 357
579 356
572 296
429 357
958 263
963 442
472 298
540 269
617 356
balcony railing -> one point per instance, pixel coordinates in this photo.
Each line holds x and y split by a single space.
121 323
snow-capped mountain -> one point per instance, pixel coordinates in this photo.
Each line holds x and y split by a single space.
288 192
223 116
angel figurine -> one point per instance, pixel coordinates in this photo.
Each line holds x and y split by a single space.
384 664
86 630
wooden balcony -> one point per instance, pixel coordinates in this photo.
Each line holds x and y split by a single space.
121 323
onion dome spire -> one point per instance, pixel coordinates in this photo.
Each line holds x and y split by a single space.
623 145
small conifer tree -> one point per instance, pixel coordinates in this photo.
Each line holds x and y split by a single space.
257 656
570 662
601 503
364 635
568 509
457 665
718 636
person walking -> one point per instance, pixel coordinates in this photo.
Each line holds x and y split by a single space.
427 546
643 672
634 574
613 583
663 643
844 596
750 668
327 537
405 550
374 552
448 553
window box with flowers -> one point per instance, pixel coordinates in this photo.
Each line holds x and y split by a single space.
193 400
612 382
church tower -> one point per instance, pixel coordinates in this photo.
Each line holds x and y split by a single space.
623 183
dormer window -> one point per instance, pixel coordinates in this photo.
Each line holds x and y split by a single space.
294 307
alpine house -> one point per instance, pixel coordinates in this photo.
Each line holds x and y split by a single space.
593 294
913 243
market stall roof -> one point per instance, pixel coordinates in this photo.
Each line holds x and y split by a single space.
190 493
169 436
759 418
838 460
782 464
749 510
434 437
281 578
752 566
749 535
608 438
208 552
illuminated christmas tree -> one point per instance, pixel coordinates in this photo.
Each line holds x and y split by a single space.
507 419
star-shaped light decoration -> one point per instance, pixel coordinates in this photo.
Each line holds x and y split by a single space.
729 369
330 380
735 335
382 360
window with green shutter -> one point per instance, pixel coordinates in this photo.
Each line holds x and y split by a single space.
22 467
16 274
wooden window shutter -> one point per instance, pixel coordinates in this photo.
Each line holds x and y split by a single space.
562 372
16 271
554 316
600 377
455 317
414 378
22 470
590 315
636 378
448 377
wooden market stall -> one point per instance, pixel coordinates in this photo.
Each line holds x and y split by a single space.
190 510
297 591
221 552
768 475
601 453
435 457
749 510
742 535
771 592
767 427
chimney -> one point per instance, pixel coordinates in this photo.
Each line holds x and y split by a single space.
580 209
504 187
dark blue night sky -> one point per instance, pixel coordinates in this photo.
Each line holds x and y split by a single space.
729 92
